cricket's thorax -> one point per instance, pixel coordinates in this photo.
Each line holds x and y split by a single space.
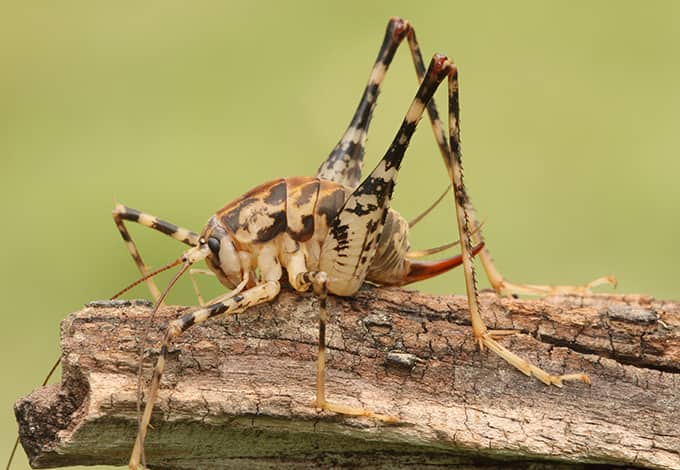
283 224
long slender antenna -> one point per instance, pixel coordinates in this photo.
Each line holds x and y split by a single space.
142 343
144 278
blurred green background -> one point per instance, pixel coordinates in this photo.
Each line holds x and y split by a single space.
570 114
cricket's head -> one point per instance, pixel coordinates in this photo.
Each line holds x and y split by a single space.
216 246
222 258
196 253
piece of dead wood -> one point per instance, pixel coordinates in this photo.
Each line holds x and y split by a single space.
237 392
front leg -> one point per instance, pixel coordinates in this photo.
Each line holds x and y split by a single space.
256 295
122 213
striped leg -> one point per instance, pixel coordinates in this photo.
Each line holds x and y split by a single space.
344 163
483 336
349 249
259 294
122 213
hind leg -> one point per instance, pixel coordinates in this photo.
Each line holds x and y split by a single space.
483 336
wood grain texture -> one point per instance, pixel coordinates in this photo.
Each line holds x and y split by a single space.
237 392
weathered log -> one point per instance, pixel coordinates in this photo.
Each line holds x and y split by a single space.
237 392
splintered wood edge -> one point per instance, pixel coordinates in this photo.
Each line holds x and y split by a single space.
237 392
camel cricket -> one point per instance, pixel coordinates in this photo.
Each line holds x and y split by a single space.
333 231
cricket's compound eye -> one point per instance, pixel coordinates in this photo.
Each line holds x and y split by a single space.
214 245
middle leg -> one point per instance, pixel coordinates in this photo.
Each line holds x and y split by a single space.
318 280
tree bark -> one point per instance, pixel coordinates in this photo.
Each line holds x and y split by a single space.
238 392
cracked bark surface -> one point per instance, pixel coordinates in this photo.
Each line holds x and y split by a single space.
237 392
